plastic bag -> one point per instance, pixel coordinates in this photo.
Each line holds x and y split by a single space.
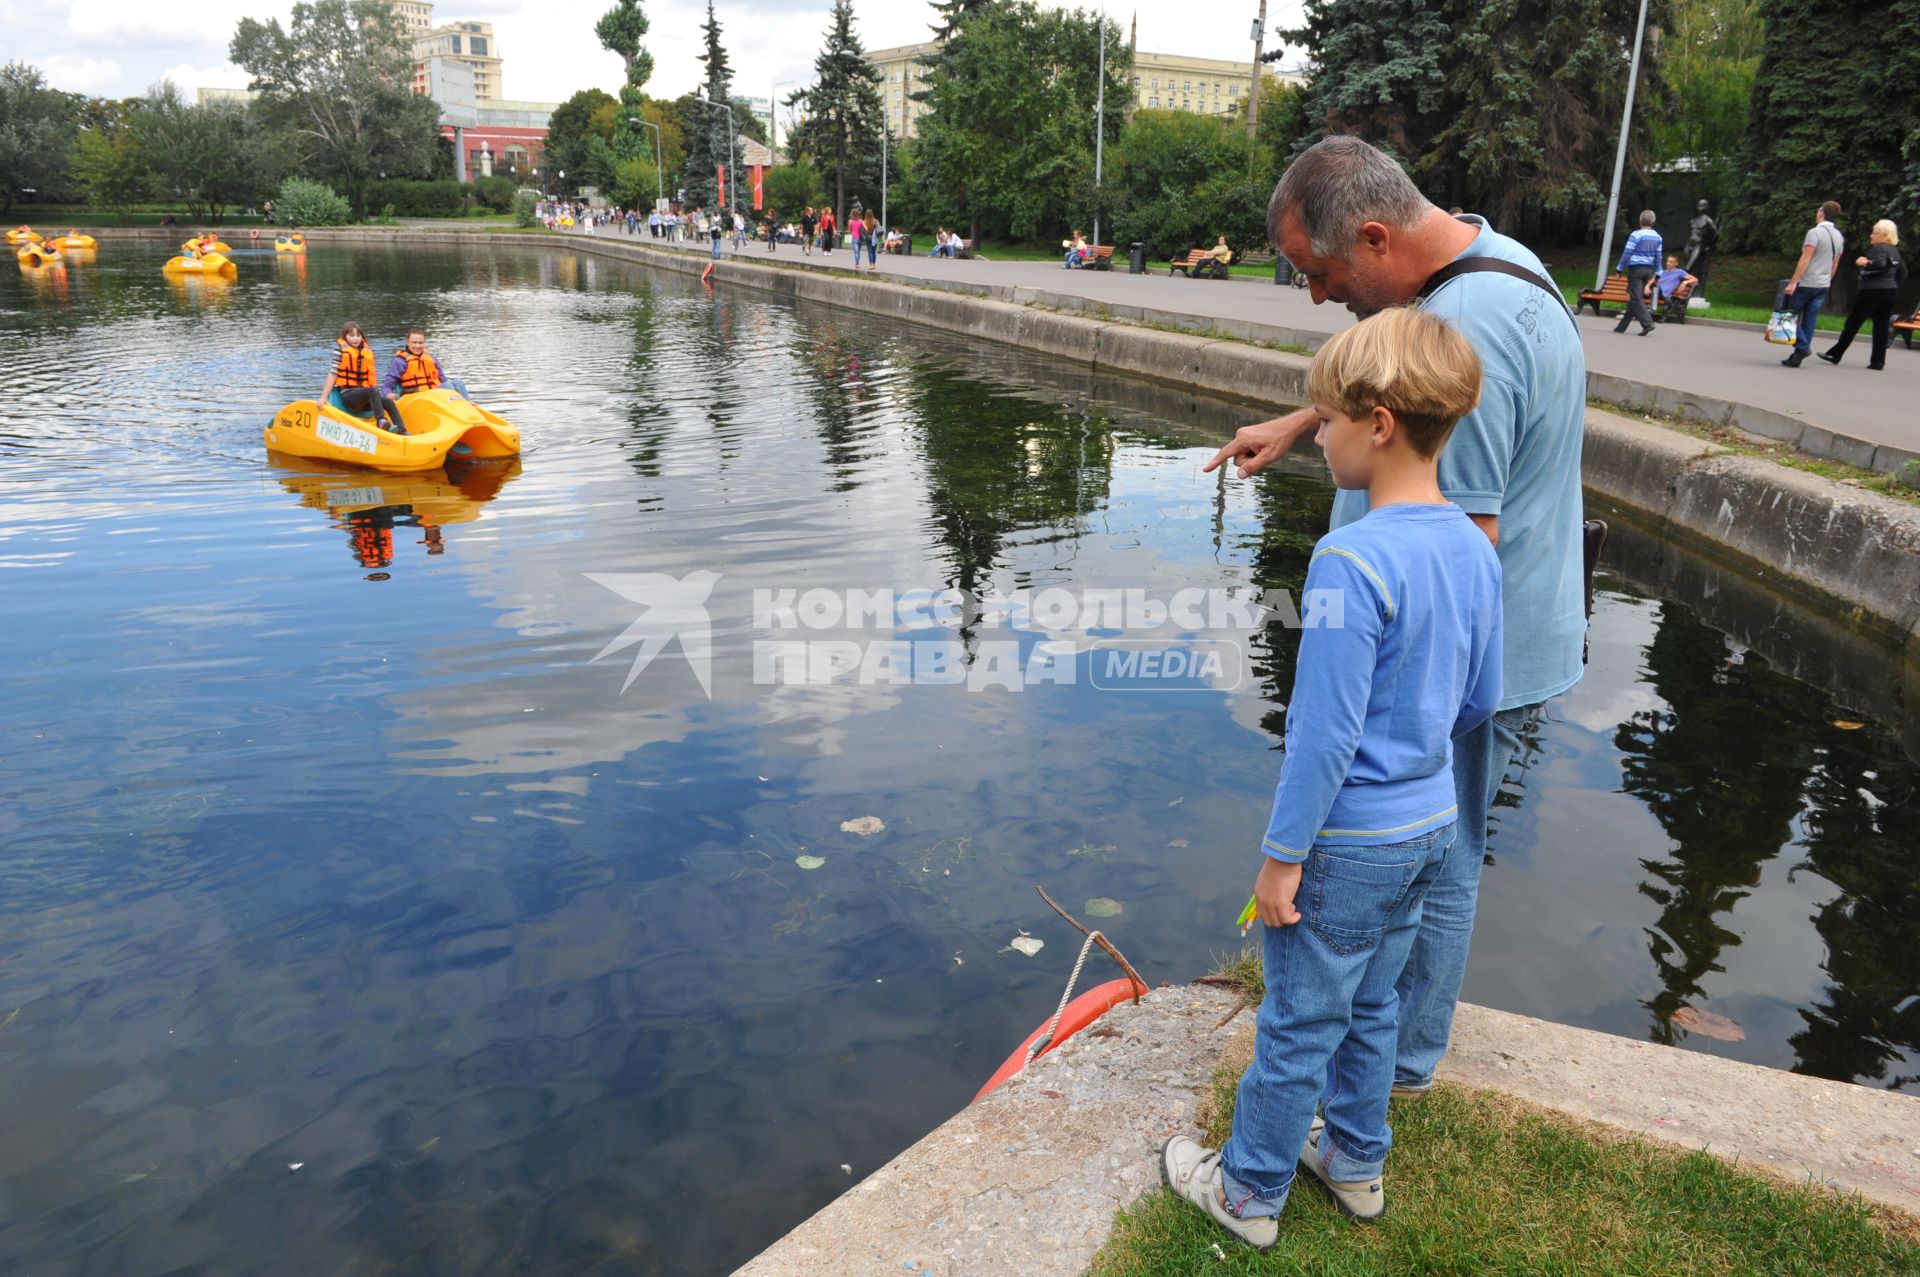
1782 328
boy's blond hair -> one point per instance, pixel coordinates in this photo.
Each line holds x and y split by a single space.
1407 361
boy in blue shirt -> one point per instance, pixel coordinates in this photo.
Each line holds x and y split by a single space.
1364 811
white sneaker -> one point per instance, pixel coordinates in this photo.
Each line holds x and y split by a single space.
1193 1172
1361 1200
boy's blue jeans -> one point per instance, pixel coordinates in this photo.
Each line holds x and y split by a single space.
1326 1030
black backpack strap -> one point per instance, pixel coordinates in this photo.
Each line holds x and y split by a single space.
1495 266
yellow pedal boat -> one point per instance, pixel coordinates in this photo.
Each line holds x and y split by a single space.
210 264
75 241
439 424
211 244
23 235
438 496
289 243
38 255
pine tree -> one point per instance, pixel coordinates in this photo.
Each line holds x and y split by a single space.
621 29
1833 107
949 14
841 131
707 137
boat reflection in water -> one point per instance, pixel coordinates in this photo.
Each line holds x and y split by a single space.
370 505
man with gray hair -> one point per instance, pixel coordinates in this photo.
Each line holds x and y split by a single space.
1349 218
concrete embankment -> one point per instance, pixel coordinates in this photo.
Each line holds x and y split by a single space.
1027 1181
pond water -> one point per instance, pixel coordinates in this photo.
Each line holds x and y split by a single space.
342 834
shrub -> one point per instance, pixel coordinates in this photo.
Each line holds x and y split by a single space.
494 192
300 202
523 206
443 197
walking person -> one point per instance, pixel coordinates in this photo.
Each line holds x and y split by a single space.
1882 271
1812 277
1640 259
871 233
827 228
807 222
1348 218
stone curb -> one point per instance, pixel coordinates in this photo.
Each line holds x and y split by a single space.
1028 1180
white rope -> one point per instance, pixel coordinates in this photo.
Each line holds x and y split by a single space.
1039 1044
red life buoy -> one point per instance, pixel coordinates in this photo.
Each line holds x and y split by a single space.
1080 1012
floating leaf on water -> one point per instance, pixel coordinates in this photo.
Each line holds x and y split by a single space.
1103 907
294 1166
1847 724
1176 802
863 825
1110 846
1028 945
1707 1024
1178 842
809 862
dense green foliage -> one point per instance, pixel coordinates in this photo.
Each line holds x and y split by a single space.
339 81
409 197
574 126
525 202
708 143
792 187
1006 148
36 133
1509 107
844 116
211 157
1710 51
108 171
1182 179
620 30
495 193
300 202
1835 105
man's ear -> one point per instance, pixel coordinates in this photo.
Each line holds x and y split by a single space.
1374 237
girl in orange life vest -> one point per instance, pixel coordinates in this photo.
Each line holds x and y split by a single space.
353 376
413 367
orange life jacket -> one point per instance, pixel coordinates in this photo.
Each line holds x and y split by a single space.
422 372
355 366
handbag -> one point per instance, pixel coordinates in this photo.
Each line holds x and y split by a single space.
1783 326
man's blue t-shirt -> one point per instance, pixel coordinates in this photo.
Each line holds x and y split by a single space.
1412 660
1518 456
1670 281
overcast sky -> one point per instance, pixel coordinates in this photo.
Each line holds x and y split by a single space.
116 48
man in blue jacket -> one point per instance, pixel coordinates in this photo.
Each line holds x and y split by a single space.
1640 258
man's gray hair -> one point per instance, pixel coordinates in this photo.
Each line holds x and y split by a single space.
1646 217
1338 185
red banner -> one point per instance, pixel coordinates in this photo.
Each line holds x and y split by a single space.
757 169
721 171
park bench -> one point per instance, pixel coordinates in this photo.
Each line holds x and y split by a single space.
1674 308
1613 293
1197 265
1908 327
1099 257
966 248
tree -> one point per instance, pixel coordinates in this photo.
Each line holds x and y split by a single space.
1180 179
621 29
339 79
708 144
109 171
841 131
949 14
1506 106
1006 146
574 124
211 156
36 133
792 187
1813 135
1710 50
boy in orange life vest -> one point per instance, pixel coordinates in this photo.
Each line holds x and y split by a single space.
413 367
353 376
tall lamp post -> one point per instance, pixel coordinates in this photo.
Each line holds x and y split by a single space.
773 115
732 176
1253 103
1099 123
886 132
1620 155
659 162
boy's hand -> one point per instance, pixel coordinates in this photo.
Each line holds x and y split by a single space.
1273 893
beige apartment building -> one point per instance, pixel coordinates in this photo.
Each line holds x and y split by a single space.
1161 81
468 42
416 17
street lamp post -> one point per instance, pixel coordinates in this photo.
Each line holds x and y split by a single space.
1253 103
732 176
659 162
886 132
1099 123
1620 156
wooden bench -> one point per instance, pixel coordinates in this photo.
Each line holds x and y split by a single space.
1673 308
966 248
1099 257
1908 327
1614 293
1198 265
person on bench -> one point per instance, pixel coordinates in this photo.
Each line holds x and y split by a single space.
1668 284
1077 250
1220 253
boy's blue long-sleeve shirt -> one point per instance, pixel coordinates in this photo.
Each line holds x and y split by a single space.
1641 249
1378 698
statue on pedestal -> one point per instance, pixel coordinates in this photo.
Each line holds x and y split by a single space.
486 159
1703 235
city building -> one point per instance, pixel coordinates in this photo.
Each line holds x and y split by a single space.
1160 81
239 97
416 17
468 42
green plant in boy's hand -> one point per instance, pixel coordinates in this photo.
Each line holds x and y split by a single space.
1273 892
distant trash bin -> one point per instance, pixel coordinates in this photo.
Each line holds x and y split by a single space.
1282 270
1136 259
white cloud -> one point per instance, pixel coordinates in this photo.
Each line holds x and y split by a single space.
81 74
187 77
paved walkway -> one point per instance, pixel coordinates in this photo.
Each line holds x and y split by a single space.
1694 364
